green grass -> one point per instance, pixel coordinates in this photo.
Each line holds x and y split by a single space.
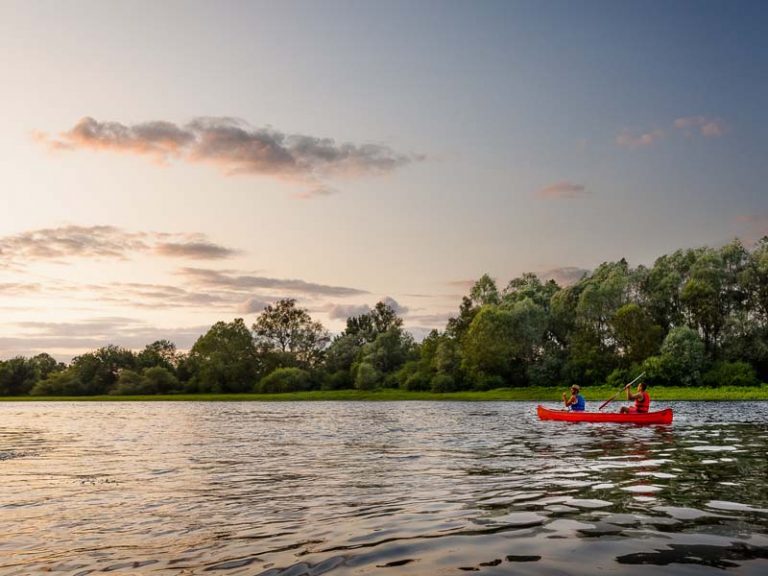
592 394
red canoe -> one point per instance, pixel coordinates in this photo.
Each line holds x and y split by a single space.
659 417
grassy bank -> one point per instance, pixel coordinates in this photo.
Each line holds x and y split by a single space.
592 394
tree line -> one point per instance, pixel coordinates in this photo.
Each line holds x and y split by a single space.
696 317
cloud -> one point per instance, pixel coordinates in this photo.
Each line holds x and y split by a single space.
231 280
344 311
565 276
194 250
67 339
563 189
629 139
104 242
437 320
235 148
254 305
316 193
399 309
419 332
707 127
465 285
161 296
18 288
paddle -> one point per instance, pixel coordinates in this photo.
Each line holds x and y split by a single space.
620 391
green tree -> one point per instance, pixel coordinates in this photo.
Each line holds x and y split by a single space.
17 376
160 353
637 336
702 295
291 333
45 365
97 371
681 361
367 327
224 359
484 292
529 287
457 327
503 341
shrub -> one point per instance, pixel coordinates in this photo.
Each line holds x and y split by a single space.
159 379
130 383
418 382
284 380
65 383
731 374
367 377
338 380
482 381
442 383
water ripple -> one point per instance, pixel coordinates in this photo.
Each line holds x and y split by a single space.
358 488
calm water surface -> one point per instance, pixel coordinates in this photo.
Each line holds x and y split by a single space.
378 488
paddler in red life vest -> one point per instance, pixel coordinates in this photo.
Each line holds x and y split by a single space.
641 398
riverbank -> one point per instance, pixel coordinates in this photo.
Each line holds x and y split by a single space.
592 394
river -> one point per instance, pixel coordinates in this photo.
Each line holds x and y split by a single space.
389 488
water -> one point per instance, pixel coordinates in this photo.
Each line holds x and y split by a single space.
378 488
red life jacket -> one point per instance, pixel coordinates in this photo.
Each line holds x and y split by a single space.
643 403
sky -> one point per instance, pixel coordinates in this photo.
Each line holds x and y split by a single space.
167 165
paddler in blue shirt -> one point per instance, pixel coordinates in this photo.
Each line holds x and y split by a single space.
576 402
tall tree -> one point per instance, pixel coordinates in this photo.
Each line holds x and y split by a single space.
290 330
224 359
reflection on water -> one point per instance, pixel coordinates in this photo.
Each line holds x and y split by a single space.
391 488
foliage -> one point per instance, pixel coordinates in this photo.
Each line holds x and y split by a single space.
730 374
284 380
64 383
17 376
224 359
442 383
367 377
681 361
695 316
161 353
290 334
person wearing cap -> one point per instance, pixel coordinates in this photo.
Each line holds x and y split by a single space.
576 402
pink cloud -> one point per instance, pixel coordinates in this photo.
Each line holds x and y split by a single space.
630 139
707 127
105 242
563 189
235 148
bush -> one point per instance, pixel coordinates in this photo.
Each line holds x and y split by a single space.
160 379
155 380
418 382
339 380
65 383
130 383
483 382
731 374
442 383
284 380
367 377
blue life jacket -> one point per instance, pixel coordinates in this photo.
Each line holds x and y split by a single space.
580 405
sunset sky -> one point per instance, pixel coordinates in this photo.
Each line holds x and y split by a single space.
165 165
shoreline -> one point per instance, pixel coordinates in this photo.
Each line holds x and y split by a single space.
592 394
